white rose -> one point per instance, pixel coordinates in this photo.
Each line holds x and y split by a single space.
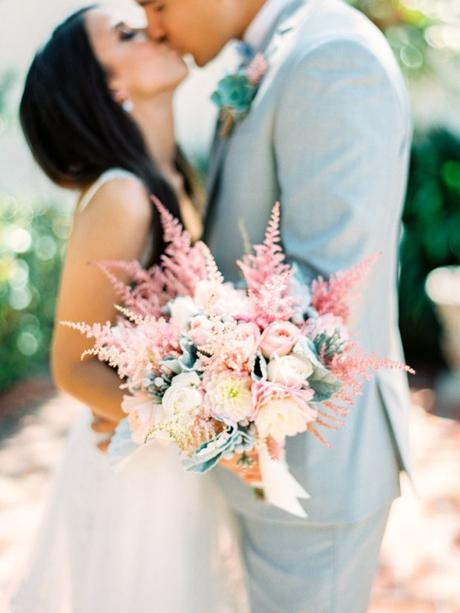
289 370
182 309
281 417
183 397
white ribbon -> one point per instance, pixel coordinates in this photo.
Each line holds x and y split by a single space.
280 487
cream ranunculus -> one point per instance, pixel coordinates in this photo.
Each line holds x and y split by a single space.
143 415
281 417
184 396
279 338
289 370
229 396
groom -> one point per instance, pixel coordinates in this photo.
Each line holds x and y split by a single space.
328 135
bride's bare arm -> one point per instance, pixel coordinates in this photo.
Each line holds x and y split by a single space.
114 226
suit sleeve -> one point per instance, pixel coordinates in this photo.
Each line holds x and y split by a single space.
339 131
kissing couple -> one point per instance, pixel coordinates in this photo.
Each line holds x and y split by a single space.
322 124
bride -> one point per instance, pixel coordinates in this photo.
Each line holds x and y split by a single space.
97 114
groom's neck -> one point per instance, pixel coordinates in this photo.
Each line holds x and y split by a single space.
249 10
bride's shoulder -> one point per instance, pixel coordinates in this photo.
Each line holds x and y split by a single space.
118 194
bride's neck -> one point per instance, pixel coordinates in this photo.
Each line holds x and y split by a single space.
156 122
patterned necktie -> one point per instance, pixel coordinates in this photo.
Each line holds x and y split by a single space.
246 53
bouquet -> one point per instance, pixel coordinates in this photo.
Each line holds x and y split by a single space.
220 369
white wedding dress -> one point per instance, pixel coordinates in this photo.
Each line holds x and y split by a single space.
150 538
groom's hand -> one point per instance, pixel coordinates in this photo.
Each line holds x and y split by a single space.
247 472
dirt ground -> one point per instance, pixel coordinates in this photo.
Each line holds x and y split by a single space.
420 562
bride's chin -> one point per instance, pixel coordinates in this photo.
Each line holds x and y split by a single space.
183 73
184 68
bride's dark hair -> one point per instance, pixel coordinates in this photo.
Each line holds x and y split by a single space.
75 129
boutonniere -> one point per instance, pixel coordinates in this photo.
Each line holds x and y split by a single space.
235 93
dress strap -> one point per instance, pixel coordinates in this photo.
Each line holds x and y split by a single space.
108 175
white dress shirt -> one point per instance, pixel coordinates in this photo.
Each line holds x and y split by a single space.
263 23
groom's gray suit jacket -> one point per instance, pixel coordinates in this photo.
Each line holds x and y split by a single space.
328 135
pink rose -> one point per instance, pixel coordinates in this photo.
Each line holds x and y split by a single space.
279 338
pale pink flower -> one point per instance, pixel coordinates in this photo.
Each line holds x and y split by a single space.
200 329
284 414
231 345
245 342
279 338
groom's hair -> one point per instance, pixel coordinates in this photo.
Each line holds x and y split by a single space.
74 128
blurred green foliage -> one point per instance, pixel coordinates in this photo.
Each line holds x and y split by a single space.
424 34
32 238
431 234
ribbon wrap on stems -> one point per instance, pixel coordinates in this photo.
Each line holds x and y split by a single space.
280 488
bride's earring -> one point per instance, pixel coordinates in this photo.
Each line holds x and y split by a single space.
127 105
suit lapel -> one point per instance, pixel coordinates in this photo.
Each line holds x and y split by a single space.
218 149
285 23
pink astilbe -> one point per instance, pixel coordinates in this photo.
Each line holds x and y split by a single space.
268 277
331 296
183 264
132 347
352 367
145 293
268 260
212 271
273 302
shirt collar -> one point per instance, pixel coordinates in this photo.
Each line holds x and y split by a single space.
263 23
